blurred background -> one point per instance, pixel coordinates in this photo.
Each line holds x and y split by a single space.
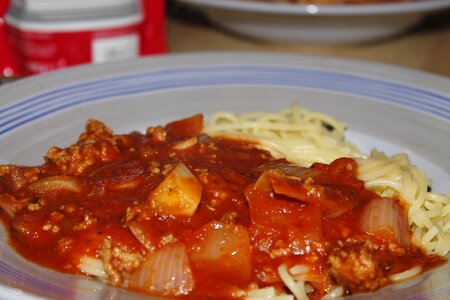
38 36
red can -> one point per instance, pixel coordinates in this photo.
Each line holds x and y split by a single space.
8 67
53 34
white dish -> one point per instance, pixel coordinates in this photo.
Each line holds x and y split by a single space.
393 109
340 23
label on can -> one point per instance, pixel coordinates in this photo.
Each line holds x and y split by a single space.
38 42
45 51
115 48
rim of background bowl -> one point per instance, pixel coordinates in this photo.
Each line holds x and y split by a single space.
412 6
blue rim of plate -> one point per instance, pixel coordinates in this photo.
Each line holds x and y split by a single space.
41 105
33 283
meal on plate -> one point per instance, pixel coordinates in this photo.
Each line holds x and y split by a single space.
248 206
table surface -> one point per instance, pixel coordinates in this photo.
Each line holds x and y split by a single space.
425 47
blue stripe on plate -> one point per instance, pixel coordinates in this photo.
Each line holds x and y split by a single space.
12 273
307 77
442 293
33 108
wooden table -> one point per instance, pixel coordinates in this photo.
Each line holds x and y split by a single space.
425 47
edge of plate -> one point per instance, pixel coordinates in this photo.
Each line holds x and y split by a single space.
29 86
24 87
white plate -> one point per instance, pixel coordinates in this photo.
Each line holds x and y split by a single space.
393 109
317 23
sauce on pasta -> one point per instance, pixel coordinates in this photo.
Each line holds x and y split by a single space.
175 212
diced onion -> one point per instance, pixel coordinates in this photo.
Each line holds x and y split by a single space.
223 250
141 235
179 193
263 183
9 204
56 183
126 184
92 266
291 169
165 273
204 139
185 144
385 218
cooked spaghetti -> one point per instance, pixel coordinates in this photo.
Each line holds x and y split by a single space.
301 136
228 210
429 213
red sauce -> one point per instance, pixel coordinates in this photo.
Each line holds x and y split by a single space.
269 220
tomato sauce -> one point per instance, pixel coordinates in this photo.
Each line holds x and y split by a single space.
97 199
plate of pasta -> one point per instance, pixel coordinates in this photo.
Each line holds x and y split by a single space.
226 175
320 21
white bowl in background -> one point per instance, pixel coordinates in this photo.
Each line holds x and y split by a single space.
337 23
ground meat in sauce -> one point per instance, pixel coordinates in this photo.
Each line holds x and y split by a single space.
355 264
92 199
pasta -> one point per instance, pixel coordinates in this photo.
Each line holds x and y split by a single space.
299 135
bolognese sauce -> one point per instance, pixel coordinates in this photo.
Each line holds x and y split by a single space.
174 212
